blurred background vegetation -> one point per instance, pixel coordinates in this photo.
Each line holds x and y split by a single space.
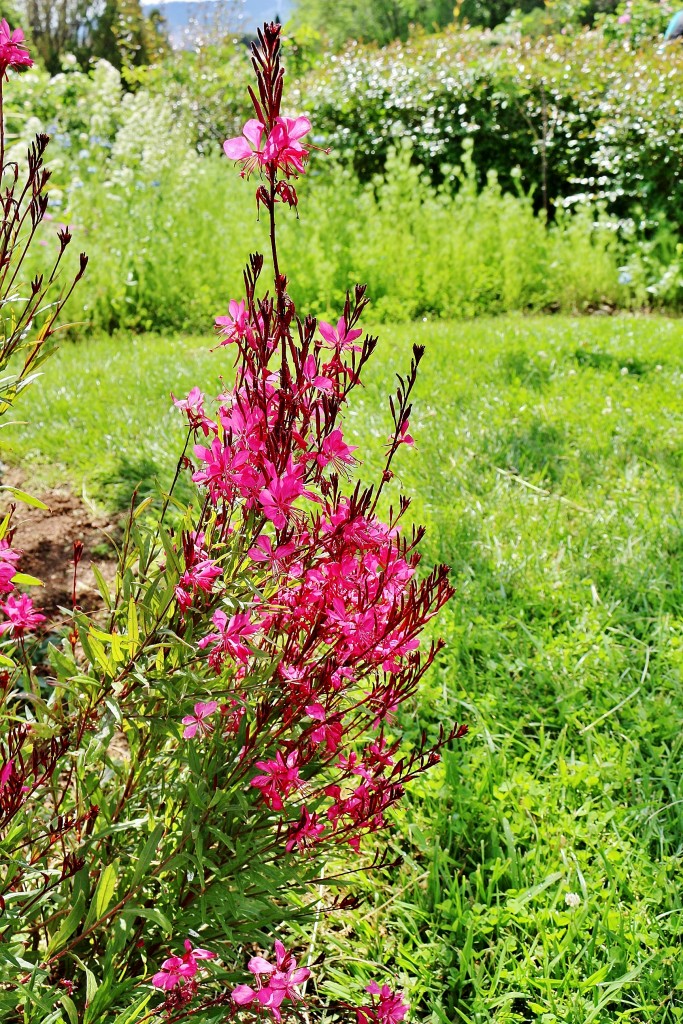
484 159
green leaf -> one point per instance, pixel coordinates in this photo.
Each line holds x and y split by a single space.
106 887
142 506
68 926
4 525
91 987
147 855
115 709
133 628
28 581
101 585
70 1007
133 1012
27 499
152 914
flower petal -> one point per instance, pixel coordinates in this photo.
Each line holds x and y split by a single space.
253 130
243 994
204 954
297 127
165 980
237 149
257 965
328 332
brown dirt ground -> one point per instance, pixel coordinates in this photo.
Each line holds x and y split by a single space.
46 540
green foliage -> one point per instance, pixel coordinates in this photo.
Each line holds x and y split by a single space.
550 469
583 116
547 471
378 21
139 198
31 303
114 30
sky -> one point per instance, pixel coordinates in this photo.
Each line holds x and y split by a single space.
247 14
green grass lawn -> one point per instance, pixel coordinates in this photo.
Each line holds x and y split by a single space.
548 472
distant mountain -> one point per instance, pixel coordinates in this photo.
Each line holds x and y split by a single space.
187 18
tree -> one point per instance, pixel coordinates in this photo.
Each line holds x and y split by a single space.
9 11
116 30
378 21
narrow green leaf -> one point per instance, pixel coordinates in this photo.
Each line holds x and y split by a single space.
101 585
27 499
91 987
28 581
106 887
133 1012
115 709
152 914
70 1007
142 506
147 855
68 926
133 628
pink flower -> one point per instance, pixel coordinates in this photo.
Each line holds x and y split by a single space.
327 732
280 494
244 427
229 637
313 378
403 437
624 19
280 778
235 326
390 1008
305 832
246 149
180 969
6 773
13 52
281 980
283 147
193 406
336 451
225 468
20 615
197 723
201 576
263 551
339 338
8 567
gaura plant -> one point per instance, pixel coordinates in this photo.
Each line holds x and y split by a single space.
29 314
202 770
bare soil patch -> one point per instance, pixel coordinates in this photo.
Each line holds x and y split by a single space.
46 540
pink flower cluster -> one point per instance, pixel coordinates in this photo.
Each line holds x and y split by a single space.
13 52
335 602
274 982
201 572
387 1007
21 615
304 608
339 608
181 970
